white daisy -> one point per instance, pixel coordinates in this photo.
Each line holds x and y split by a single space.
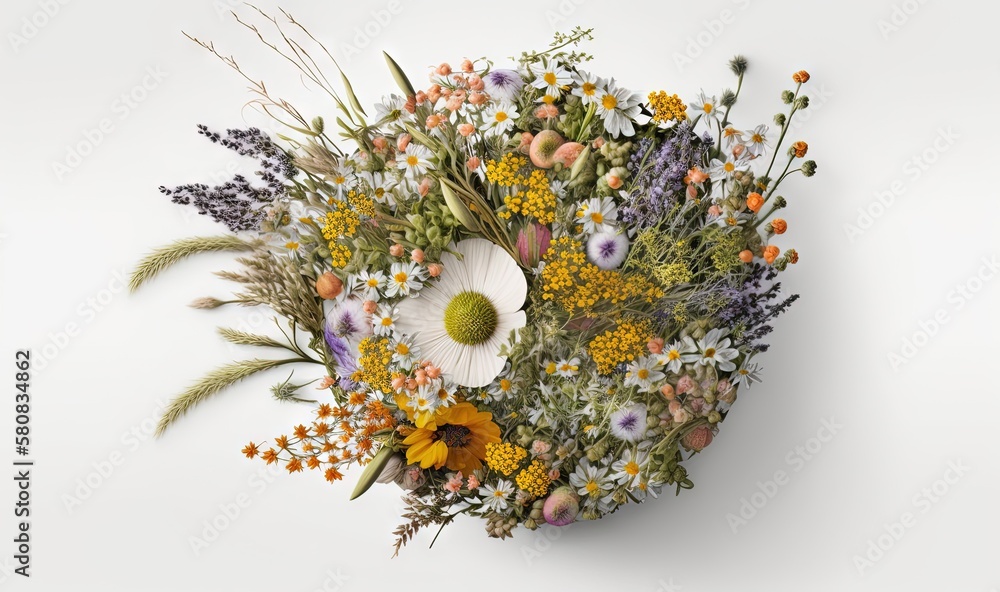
370 284
342 178
501 389
725 170
568 368
416 160
588 87
757 140
747 374
629 423
589 480
461 321
384 321
643 373
626 470
716 351
618 107
403 279
646 487
379 186
550 77
499 118
596 213
496 497
390 109
405 352
678 353
707 107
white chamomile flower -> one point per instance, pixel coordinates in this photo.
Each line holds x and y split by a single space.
643 373
444 393
588 87
496 496
501 389
732 136
629 423
706 106
618 107
558 188
379 187
462 320
757 140
391 109
716 351
747 374
342 178
384 320
678 353
405 352
589 480
370 283
499 118
550 77
646 487
415 160
404 278
597 213
568 368
726 170
626 470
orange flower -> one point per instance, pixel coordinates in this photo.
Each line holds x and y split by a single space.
779 226
754 202
282 442
801 76
771 253
793 256
333 474
800 148
294 466
250 450
695 175
271 456
746 256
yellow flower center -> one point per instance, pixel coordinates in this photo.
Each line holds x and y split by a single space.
500 116
729 167
609 101
589 88
597 217
592 487
402 349
412 160
710 352
498 493
339 180
470 318
386 321
401 277
643 373
757 138
707 107
505 384
372 282
550 78
673 355
632 468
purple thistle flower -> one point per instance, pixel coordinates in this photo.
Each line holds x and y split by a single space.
503 84
342 357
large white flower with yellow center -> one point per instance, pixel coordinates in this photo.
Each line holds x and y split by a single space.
460 321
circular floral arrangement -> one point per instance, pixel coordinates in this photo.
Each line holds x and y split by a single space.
527 294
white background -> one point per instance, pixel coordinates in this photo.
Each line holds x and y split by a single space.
881 98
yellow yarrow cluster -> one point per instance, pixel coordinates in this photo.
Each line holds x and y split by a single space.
340 255
534 479
342 221
673 273
373 364
361 203
504 457
622 344
667 107
536 200
506 172
579 286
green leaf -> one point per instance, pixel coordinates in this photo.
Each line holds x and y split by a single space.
397 73
458 208
372 470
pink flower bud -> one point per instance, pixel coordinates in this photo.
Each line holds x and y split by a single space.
396 250
668 392
444 69
467 65
370 306
477 98
655 345
434 269
466 129
473 163
417 256
425 186
532 243
475 82
402 142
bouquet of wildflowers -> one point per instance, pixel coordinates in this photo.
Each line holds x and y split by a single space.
526 294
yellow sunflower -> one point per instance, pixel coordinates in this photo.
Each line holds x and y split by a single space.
456 437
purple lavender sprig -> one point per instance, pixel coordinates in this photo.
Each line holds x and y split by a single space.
237 203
